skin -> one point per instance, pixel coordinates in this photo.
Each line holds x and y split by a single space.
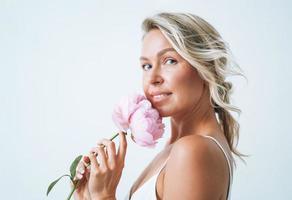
197 167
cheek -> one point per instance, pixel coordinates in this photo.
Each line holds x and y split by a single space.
186 86
182 81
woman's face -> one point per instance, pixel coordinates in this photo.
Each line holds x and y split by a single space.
171 84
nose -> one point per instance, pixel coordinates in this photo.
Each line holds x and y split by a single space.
157 81
156 77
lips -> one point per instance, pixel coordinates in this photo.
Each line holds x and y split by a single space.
155 93
159 96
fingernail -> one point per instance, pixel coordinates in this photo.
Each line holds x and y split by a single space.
86 159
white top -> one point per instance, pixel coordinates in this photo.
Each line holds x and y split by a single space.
148 190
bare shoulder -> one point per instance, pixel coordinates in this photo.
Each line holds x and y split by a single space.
195 151
195 169
194 146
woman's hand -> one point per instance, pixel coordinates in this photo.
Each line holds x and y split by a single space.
101 179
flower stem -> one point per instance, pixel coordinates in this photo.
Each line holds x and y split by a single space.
113 137
72 191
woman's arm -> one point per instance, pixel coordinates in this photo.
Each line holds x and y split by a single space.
194 170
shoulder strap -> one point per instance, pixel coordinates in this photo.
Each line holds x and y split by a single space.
228 162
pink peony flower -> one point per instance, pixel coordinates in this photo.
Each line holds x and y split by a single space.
124 109
135 112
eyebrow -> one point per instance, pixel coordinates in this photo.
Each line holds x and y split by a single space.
160 53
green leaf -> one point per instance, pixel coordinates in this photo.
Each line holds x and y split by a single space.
74 166
54 183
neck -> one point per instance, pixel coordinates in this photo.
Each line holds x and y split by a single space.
200 120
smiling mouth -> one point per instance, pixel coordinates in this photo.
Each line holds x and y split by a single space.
161 97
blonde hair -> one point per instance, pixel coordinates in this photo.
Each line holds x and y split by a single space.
202 46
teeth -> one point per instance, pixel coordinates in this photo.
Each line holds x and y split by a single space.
160 96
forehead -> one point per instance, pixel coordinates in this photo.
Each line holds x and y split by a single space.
153 42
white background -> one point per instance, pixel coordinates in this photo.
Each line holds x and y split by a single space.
64 64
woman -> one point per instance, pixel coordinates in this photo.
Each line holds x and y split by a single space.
185 63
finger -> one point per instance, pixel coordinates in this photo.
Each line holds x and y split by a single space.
87 172
99 142
122 146
82 173
79 176
86 160
83 164
111 151
79 170
80 167
80 184
102 157
93 161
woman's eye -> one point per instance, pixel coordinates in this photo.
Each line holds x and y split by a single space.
146 67
171 61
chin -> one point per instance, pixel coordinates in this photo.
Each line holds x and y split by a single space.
163 112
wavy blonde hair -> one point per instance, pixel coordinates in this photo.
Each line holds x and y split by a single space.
202 46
